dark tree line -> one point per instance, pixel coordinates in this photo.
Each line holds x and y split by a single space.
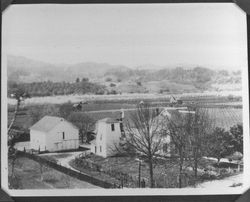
49 88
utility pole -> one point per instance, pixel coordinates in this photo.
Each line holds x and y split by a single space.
139 170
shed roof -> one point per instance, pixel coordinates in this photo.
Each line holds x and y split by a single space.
47 123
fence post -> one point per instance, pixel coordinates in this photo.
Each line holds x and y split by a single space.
143 183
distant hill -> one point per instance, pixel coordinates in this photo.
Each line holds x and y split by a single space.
21 69
121 79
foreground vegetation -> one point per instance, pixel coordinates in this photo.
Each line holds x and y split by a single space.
49 88
124 171
29 174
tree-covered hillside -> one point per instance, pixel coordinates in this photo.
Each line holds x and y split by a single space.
49 88
43 79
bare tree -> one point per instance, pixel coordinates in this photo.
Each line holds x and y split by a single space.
144 135
188 131
219 144
176 127
84 122
199 126
19 95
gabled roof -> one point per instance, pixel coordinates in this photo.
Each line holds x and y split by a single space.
109 120
47 123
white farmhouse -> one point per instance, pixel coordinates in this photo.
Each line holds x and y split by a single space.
54 134
108 134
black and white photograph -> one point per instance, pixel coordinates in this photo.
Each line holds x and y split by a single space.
124 99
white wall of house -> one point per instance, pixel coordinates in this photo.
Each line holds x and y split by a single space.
63 136
38 140
112 138
100 146
108 135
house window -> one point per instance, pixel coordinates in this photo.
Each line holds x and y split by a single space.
100 148
121 127
95 149
113 127
63 135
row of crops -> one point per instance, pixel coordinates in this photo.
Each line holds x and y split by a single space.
225 117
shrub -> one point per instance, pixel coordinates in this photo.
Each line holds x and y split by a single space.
208 176
138 83
108 79
112 85
14 182
112 92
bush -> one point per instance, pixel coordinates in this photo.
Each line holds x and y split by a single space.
223 171
208 176
108 79
112 92
112 85
14 182
236 156
138 83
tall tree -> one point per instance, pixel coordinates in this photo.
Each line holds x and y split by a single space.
84 122
198 126
144 134
177 127
36 113
219 144
19 95
66 109
237 138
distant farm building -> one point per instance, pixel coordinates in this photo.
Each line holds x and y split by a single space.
53 134
174 100
108 134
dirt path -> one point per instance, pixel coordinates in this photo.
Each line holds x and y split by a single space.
64 161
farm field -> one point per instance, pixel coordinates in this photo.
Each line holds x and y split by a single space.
125 97
225 117
223 114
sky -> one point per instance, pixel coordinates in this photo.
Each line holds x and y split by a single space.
209 35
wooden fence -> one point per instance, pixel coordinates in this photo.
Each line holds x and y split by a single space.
68 171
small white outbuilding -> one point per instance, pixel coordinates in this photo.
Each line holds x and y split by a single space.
108 134
54 134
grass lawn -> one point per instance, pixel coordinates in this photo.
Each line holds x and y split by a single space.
28 175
